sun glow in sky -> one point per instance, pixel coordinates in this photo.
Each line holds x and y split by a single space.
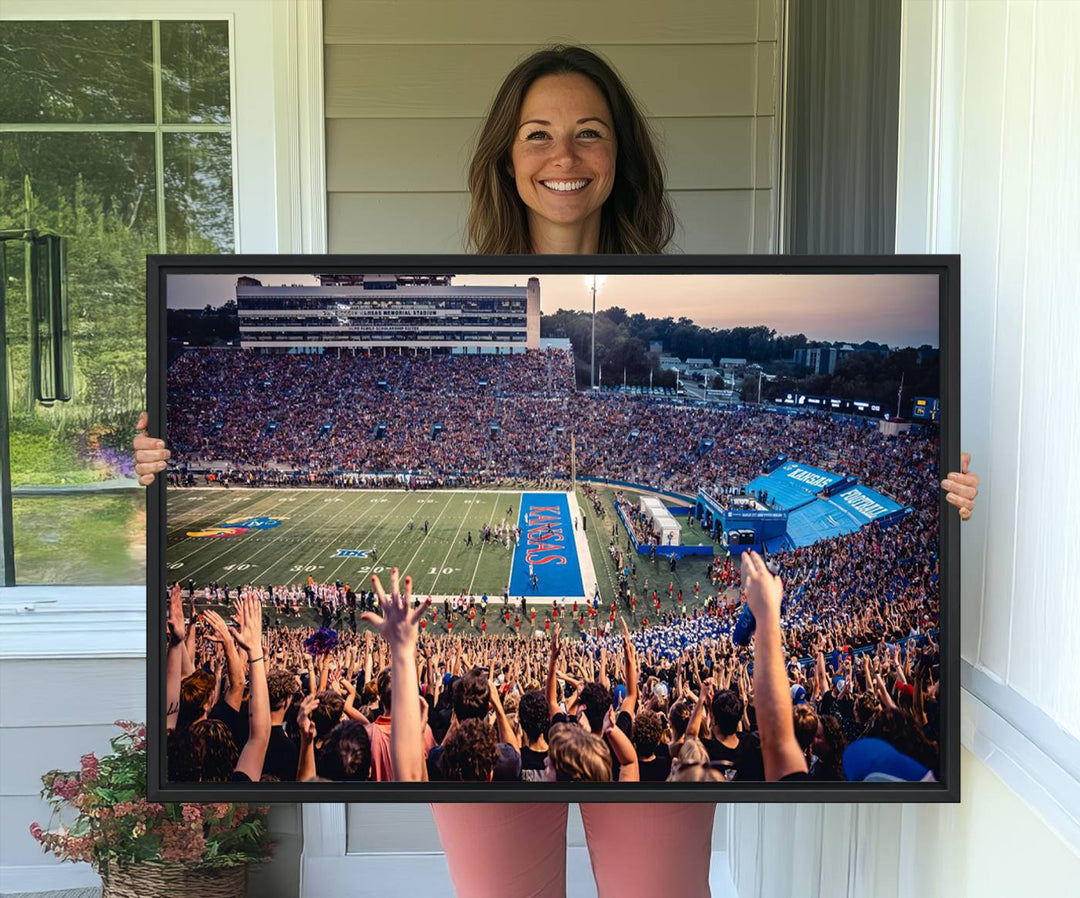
896 309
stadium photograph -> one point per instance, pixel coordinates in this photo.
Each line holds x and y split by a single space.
606 493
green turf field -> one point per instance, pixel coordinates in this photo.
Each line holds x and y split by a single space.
315 525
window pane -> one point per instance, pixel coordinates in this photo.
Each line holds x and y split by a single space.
76 72
83 540
97 190
195 71
198 193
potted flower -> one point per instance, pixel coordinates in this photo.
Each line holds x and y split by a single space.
141 847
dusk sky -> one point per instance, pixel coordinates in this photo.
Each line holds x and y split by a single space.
896 309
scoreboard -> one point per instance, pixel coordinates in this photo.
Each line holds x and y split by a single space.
925 408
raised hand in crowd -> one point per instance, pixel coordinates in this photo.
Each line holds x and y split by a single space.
223 635
308 733
399 625
174 659
249 638
772 694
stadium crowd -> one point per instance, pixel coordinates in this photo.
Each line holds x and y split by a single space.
675 701
294 419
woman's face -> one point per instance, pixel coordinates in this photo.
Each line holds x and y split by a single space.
563 156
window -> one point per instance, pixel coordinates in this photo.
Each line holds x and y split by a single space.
118 136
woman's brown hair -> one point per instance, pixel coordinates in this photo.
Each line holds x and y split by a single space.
637 216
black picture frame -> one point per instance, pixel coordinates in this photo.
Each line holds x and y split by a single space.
945 267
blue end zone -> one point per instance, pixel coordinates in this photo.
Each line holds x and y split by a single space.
548 544
793 484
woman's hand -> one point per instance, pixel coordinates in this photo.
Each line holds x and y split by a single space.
150 453
962 487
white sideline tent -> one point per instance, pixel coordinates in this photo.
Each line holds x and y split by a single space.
663 522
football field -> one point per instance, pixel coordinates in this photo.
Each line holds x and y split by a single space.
283 536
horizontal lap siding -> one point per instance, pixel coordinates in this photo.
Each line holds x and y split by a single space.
400 22
408 84
425 155
460 81
53 712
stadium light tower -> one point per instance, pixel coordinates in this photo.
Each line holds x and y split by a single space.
595 281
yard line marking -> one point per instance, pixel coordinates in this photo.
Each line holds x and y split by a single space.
265 544
480 554
338 489
218 510
197 544
218 505
337 536
424 540
228 548
453 544
374 531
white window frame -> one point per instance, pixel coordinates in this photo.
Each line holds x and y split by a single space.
279 199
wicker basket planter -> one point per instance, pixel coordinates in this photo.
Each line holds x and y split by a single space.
157 880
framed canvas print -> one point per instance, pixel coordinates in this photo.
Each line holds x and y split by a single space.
585 528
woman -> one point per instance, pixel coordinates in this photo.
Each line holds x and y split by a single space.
565 164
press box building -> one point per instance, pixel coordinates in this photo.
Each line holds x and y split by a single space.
390 312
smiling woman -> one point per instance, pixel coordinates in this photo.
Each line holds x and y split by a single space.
565 163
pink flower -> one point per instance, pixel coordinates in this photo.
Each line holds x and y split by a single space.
89 767
81 848
36 832
65 788
180 842
192 813
150 808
